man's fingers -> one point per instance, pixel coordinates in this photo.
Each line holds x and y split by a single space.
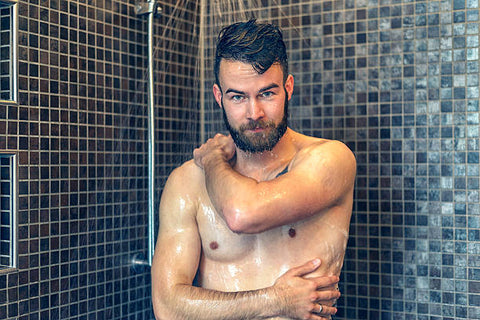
328 283
325 296
324 310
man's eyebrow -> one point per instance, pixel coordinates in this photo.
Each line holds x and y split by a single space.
271 86
234 91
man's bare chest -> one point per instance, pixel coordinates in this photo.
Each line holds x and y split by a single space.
221 244
233 262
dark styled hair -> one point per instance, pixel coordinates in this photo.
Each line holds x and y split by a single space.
258 44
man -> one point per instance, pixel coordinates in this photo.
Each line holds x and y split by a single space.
253 212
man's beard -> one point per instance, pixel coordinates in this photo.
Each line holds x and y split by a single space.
258 142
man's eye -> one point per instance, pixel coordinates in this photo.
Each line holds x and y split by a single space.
237 98
267 94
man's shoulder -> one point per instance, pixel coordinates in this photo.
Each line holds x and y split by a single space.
187 175
310 144
188 167
303 141
313 148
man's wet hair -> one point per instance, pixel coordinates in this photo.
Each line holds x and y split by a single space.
258 44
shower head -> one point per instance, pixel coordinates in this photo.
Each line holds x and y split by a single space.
146 7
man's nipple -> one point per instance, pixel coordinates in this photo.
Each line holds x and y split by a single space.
214 245
292 233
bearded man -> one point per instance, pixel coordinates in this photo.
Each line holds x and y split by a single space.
255 226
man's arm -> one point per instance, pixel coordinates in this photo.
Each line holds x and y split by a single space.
321 176
176 260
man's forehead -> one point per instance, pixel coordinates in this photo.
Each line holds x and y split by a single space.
234 65
237 73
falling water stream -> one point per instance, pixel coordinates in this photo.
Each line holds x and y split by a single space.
185 112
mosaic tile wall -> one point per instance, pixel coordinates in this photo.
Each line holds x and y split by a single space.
395 80
79 130
398 81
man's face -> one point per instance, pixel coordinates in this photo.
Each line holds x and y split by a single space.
255 106
265 139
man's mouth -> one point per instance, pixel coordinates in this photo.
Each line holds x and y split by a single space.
257 129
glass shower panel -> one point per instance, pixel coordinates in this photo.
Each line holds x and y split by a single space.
7 211
7 52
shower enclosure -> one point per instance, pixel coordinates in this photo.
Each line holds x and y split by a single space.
397 81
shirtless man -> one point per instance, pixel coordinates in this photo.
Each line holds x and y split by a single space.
253 212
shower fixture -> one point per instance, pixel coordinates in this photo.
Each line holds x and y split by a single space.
146 7
150 8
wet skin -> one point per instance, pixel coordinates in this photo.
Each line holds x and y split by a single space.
236 262
291 219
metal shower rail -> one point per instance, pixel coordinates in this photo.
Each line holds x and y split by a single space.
149 8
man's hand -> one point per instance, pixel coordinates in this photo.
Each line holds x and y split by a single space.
307 298
219 146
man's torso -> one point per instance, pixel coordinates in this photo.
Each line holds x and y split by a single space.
235 262
238 262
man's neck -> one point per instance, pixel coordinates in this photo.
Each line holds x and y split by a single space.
263 166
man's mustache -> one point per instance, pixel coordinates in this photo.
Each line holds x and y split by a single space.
259 124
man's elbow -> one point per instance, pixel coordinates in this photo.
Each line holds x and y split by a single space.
241 220
162 300
157 303
160 310
157 312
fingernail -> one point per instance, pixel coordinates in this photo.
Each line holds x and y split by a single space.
316 262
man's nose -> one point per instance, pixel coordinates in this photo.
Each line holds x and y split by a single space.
255 110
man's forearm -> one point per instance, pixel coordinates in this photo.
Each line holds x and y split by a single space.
188 302
219 176
292 296
231 194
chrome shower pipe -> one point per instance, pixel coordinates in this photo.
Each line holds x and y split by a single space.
150 8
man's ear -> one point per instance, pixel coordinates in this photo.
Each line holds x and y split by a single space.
289 85
217 93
